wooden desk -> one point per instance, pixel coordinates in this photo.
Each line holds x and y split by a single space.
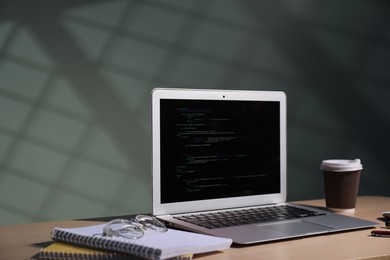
16 240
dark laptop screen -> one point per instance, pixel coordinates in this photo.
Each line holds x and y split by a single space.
214 149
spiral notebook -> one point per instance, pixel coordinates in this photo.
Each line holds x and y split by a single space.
153 245
61 251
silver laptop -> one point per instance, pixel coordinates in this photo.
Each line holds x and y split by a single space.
219 167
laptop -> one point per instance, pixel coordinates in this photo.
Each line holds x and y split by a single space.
222 154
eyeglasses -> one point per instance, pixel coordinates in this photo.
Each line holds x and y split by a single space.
133 228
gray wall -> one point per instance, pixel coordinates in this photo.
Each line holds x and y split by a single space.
76 76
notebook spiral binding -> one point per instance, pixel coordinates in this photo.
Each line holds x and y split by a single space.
105 243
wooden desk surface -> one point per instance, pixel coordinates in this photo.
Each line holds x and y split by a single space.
16 240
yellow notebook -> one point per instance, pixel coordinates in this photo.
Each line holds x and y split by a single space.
61 251
66 251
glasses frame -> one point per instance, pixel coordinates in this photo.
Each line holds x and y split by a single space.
133 228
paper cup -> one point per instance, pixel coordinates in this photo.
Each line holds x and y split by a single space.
341 183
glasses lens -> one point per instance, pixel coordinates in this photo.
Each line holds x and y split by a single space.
151 222
122 228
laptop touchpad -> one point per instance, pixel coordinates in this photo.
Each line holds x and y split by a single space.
298 227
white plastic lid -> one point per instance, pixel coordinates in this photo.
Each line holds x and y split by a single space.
341 165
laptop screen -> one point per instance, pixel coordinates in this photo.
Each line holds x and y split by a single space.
212 149
217 149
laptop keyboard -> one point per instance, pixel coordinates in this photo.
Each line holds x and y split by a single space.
248 216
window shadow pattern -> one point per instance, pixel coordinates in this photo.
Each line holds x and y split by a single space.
76 76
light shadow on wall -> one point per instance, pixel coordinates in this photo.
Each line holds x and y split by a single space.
75 80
